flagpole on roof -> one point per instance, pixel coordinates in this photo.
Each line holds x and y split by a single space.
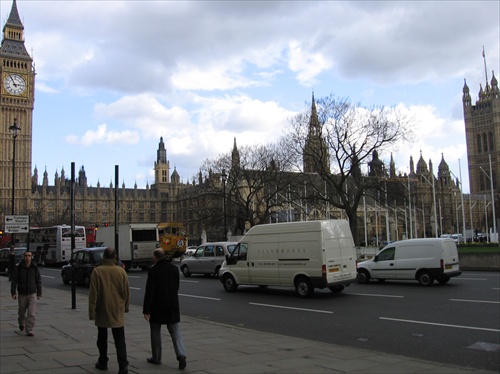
485 71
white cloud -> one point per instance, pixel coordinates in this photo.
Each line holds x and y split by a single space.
103 136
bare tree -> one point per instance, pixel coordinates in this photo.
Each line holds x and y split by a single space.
255 184
337 139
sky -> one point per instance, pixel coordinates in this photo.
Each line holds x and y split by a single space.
112 77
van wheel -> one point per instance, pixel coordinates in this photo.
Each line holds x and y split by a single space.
336 289
303 287
425 278
186 272
444 280
229 283
363 276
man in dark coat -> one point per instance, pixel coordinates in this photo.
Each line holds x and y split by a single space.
161 307
27 287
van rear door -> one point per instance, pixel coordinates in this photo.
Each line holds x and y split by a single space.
450 257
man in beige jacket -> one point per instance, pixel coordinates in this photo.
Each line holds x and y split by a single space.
109 299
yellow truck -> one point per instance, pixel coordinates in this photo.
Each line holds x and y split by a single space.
173 239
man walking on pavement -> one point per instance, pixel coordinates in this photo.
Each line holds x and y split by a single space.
109 300
27 287
161 306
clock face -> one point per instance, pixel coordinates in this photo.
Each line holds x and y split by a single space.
14 84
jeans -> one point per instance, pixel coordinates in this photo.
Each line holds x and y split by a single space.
27 310
175 333
121 347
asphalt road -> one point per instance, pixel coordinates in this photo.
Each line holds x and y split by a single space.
457 323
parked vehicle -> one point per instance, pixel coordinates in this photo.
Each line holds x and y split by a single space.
83 262
422 259
137 242
304 255
207 259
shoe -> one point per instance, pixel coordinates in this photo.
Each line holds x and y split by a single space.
182 362
152 361
30 333
100 366
123 370
21 327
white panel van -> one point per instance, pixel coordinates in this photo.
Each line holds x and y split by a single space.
304 255
425 260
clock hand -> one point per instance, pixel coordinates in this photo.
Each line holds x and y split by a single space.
14 83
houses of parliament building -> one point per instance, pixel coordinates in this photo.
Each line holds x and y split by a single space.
47 198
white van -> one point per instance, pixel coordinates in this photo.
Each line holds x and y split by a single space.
420 259
304 255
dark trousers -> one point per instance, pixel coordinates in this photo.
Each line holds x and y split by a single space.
121 347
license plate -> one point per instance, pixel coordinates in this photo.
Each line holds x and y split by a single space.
333 270
448 267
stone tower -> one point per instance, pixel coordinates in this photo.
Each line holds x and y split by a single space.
316 156
162 168
482 130
17 97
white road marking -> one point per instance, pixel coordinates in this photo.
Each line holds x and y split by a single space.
185 281
46 276
376 295
440 324
469 279
476 301
288 307
135 288
200 297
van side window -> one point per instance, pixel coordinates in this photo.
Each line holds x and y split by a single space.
199 252
242 252
387 254
209 251
219 251
239 253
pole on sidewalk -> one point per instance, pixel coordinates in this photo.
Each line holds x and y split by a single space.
73 286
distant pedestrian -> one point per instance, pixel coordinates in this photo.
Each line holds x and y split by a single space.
26 286
109 300
12 261
161 307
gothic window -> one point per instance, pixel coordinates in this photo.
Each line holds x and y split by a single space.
478 144
481 182
91 205
104 205
485 142
490 138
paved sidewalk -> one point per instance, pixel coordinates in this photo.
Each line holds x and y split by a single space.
65 342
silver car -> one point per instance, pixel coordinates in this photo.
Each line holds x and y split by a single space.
207 259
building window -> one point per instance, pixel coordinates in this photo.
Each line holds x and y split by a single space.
478 144
485 143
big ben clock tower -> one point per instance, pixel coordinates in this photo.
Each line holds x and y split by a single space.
17 97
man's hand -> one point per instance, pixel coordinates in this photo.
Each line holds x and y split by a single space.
146 317
14 296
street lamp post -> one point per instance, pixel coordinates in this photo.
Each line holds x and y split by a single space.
14 130
490 177
434 200
224 179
